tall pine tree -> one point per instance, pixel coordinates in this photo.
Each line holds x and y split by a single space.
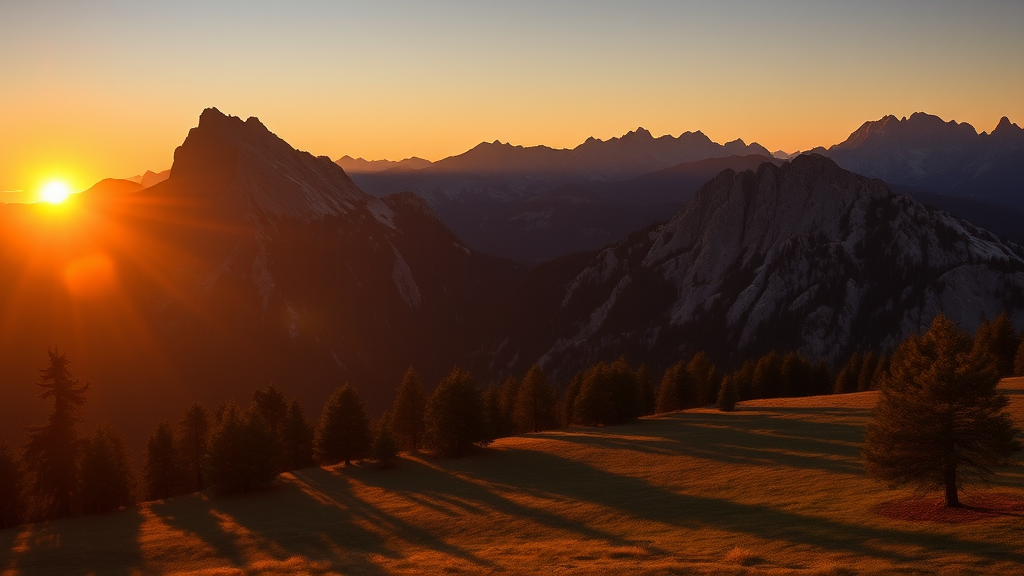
193 439
535 407
296 438
52 450
407 411
343 432
454 415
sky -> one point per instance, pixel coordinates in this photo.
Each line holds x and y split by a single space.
99 89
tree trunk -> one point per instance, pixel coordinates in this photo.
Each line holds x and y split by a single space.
952 498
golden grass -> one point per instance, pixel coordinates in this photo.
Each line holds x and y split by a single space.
776 487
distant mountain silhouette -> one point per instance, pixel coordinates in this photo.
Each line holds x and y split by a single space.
358 165
804 256
151 178
952 158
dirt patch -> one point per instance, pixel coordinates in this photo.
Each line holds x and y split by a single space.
975 508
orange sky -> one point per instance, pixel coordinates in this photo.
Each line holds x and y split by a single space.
90 92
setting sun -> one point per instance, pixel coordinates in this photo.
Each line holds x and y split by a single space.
55 192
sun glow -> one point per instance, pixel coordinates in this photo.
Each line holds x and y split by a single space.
55 192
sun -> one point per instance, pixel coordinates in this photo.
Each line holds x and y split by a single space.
55 192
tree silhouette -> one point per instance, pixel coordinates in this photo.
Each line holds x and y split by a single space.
848 379
572 391
12 483
272 405
999 339
676 390
52 450
407 410
496 423
727 394
343 432
243 450
648 396
384 448
704 376
296 438
768 381
536 403
108 478
454 415
162 472
595 403
509 393
193 439
939 418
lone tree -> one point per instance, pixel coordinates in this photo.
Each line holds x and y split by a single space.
51 451
454 415
407 411
939 418
343 433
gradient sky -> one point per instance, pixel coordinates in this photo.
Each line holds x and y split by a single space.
107 88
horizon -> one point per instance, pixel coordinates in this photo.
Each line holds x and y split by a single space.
112 91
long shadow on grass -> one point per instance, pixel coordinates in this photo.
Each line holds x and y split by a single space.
737 439
529 470
100 544
442 484
281 523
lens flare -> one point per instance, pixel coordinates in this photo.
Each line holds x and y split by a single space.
55 192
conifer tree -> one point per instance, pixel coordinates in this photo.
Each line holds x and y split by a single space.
768 379
272 406
999 339
676 390
849 375
407 411
595 403
162 469
727 396
243 450
193 441
296 439
12 484
343 432
497 427
384 448
744 378
624 391
648 396
509 393
939 419
569 399
868 367
52 450
108 478
535 403
454 415
704 376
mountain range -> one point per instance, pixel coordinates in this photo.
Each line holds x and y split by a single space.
255 262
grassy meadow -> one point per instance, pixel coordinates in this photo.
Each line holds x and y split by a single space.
776 487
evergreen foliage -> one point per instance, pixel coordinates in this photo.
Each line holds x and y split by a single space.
454 415
193 442
999 339
343 432
939 418
12 484
648 395
676 391
384 448
243 450
704 376
494 418
744 378
796 374
569 399
727 395
163 471
848 379
768 380
272 405
52 450
107 476
296 439
594 404
536 403
407 411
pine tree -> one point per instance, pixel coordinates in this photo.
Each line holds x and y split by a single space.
493 415
108 478
384 448
704 375
676 390
193 441
535 403
569 398
243 449
868 366
768 379
595 403
999 339
939 418
849 375
343 432
727 394
163 474
744 378
407 411
12 484
296 439
272 406
52 450
454 415
509 393
648 396
624 391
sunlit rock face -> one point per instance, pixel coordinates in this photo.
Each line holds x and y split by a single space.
804 256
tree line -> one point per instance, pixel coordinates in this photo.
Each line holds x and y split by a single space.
234 448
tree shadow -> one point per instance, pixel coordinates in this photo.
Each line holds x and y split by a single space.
639 498
99 544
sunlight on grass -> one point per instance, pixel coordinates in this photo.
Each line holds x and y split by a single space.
776 487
